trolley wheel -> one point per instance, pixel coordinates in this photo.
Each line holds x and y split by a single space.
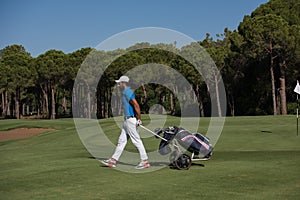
183 162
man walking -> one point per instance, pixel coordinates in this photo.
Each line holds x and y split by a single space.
132 119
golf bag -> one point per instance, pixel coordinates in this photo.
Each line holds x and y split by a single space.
193 142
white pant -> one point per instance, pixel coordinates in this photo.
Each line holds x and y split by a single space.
129 129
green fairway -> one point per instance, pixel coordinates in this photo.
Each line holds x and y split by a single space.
255 158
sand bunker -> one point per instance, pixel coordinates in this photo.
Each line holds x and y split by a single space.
20 133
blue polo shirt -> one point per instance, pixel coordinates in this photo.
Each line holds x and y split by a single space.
128 95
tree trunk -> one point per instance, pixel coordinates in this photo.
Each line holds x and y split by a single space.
231 104
282 91
52 116
64 103
218 96
3 104
17 104
171 103
272 78
201 108
23 109
273 88
78 106
99 104
45 106
175 91
103 103
95 103
88 101
277 103
8 100
106 100
73 102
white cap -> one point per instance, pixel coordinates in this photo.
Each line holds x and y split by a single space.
123 79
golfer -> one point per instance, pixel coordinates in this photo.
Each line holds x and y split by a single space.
132 119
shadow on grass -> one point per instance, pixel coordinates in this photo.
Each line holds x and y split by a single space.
157 164
263 131
198 164
154 164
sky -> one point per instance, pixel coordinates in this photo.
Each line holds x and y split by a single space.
69 25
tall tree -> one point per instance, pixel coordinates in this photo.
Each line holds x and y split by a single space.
16 75
51 70
218 51
74 61
231 62
288 59
268 38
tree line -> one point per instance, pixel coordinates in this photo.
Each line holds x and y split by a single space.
258 62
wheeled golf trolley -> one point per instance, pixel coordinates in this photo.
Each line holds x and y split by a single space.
173 139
